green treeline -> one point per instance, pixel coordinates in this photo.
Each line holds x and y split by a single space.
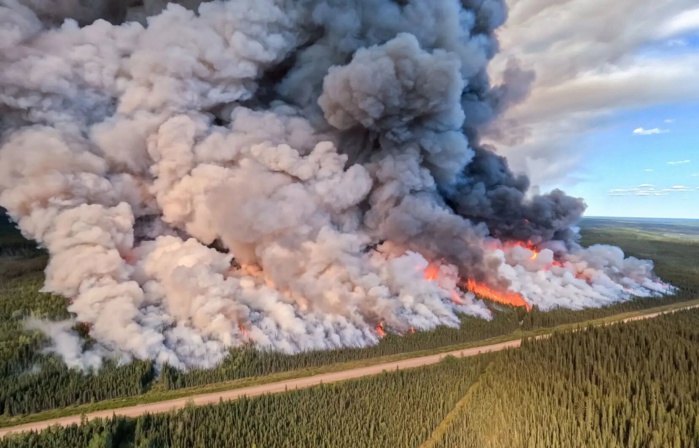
630 385
625 385
249 362
393 409
32 380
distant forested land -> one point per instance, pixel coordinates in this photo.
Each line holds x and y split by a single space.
32 380
626 385
673 245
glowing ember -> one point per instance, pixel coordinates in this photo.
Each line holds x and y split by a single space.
380 330
508 298
128 257
431 272
527 245
583 276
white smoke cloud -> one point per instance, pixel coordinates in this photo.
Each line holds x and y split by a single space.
241 173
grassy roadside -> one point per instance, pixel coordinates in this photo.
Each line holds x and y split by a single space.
157 396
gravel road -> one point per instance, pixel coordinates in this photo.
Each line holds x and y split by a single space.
299 383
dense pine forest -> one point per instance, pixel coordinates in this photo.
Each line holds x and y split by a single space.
625 385
630 385
33 380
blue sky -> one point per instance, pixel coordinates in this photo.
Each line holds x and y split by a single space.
643 174
613 115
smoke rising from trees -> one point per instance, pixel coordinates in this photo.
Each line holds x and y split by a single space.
277 172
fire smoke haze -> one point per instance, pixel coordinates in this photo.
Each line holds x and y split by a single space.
294 174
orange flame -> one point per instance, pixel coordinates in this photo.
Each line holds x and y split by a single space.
583 276
380 330
431 272
243 330
455 299
412 329
508 298
529 245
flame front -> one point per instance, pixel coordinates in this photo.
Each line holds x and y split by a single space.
508 298
380 330
529 246
432 272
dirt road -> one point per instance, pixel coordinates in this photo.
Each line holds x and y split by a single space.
299 383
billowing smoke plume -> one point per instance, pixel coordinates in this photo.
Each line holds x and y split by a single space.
286 173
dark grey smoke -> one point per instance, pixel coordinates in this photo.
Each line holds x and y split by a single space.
209 174
490 193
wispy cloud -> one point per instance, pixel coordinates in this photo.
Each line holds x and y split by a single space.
682 23
648 170
677 43
695 174
654 131
580 84
648 190
669 121
678 162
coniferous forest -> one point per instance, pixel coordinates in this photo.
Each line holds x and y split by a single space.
624 385
630 385
33 380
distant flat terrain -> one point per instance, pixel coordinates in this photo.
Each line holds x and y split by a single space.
657 227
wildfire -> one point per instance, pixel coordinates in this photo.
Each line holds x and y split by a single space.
128 257
455 299
508 298
380 330
583 276
431 272
243 330
412 329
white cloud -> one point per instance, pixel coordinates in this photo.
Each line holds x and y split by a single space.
679 162
669 121
648 190
695 174
682 23
654 131
587 72
648 170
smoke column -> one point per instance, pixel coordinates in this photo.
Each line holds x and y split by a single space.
290 174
